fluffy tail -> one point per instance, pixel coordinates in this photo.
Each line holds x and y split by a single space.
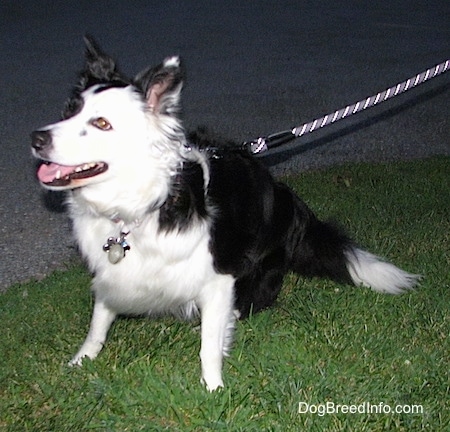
371 271
324 250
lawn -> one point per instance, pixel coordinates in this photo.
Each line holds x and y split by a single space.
323 347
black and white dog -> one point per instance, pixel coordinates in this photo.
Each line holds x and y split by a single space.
170 224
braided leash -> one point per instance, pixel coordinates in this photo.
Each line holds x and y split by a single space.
262 144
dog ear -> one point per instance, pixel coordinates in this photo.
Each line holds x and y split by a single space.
162 86
99 68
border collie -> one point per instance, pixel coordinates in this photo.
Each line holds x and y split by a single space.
187 225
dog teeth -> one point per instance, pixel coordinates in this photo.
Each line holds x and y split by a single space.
85 167
58 175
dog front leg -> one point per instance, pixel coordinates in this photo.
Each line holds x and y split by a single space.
217 325
102 318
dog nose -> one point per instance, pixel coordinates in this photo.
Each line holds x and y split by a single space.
40 139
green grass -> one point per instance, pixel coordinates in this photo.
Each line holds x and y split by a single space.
322 342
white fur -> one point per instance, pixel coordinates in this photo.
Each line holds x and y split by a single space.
371 271
164 272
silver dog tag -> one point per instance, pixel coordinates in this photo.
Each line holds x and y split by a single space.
116 248
116 253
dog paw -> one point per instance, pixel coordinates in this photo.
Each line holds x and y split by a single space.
89 349
79 357
76 361
212 384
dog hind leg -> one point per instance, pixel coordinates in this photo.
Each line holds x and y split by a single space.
258 290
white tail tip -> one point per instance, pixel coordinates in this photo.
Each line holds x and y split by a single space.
371 271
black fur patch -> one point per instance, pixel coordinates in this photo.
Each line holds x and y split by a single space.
260 228
73 105
75 102
186 201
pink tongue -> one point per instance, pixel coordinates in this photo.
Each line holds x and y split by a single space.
47 172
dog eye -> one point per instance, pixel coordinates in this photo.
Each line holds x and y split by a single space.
101 123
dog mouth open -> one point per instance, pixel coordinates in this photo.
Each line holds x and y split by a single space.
53 175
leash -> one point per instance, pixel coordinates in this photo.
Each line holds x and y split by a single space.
263 144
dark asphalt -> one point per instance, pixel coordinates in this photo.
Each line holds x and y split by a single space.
253 68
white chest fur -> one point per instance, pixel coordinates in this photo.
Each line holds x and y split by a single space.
163 271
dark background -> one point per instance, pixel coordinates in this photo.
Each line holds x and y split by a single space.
254 68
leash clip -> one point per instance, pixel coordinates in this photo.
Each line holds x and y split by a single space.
262 144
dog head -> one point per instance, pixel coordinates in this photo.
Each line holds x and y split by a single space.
113 128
